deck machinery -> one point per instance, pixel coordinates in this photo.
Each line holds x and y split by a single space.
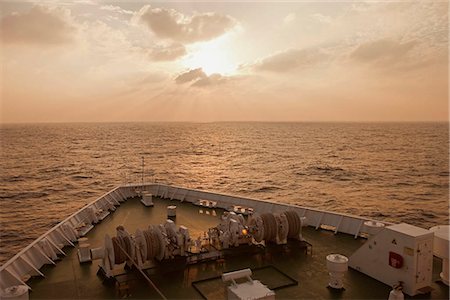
167 241
394 254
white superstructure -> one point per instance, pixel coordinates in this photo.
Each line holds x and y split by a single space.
398 253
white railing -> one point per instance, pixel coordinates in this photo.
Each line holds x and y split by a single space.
44 249
317 218
28 261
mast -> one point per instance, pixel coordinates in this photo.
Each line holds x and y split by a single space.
142 179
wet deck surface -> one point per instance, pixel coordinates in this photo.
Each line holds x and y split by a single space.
70 280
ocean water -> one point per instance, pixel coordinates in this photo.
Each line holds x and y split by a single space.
388 171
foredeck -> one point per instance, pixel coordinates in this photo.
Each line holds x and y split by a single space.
69 279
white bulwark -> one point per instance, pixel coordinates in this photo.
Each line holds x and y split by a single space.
48 248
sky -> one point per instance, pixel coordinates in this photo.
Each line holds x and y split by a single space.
199 61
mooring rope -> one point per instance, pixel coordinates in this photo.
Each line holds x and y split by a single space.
294 223
142 272
270 226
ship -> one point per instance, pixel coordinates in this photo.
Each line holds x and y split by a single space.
158 241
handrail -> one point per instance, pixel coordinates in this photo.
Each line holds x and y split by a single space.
265 201
23 251
12 259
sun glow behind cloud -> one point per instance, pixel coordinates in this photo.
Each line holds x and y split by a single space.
340 61
216 56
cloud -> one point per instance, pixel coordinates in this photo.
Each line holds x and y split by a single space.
198 78
289 18
383 50
116 9
167 53
190 75
290 60
322 18
213 79
173 25
39 26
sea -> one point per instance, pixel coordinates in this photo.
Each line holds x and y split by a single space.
396 172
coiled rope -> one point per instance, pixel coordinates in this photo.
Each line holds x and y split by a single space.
120 245
153 243
270 226
294 223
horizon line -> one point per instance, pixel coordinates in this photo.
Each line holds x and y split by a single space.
216 122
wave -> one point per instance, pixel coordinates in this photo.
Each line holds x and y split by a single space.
81 176
264 189
326 168
361 169
15 178
24 196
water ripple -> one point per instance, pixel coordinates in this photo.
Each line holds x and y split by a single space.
393 172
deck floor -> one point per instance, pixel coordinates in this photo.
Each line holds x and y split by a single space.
70 280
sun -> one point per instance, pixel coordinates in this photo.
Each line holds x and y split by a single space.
213 57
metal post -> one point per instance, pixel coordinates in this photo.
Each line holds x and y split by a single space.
142 185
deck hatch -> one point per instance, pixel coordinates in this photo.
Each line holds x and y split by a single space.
215 288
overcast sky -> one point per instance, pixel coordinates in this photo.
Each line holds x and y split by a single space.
89 60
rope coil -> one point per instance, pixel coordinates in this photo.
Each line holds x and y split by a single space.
294 223
270 226
153 243
120 243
